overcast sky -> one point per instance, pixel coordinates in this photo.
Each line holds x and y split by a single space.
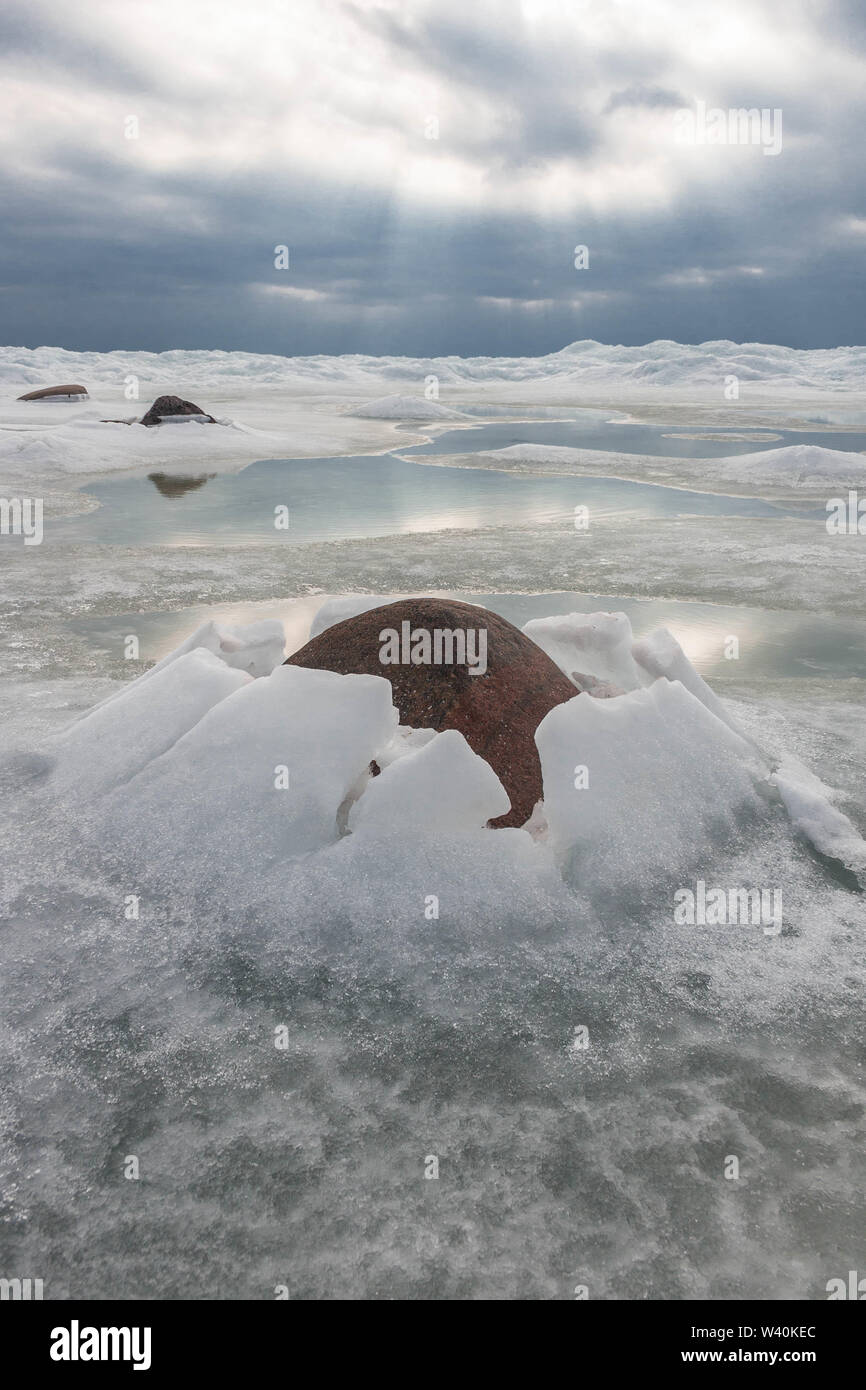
309 124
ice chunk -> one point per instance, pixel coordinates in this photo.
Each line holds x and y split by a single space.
808 803
262 776
660 654
634 787
119 737
442 786
594 644
256 647
405 742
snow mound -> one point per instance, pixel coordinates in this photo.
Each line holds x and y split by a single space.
791 468
254 647
406 408
797 466
87 444
597 650
660 654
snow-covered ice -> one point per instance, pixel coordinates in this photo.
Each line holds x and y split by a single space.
273 406
405 408
805 470
260 778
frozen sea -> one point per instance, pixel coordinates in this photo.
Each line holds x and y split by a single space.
407 1039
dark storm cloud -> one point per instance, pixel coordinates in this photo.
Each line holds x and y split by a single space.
52 42
100 248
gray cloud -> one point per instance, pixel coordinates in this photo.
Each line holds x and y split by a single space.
102 245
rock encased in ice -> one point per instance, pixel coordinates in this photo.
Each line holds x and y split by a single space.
56 393
497 712
173 407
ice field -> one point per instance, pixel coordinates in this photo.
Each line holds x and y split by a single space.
242 985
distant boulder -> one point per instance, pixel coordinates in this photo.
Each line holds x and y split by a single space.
56 393
497 711
172 407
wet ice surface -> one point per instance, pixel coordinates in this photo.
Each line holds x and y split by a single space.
374 495
627 436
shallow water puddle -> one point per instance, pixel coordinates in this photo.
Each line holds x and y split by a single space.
768 643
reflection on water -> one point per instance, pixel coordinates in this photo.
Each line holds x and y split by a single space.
769 644
178 485
358 497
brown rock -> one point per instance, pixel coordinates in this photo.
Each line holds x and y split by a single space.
172 405
48 392
497 712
